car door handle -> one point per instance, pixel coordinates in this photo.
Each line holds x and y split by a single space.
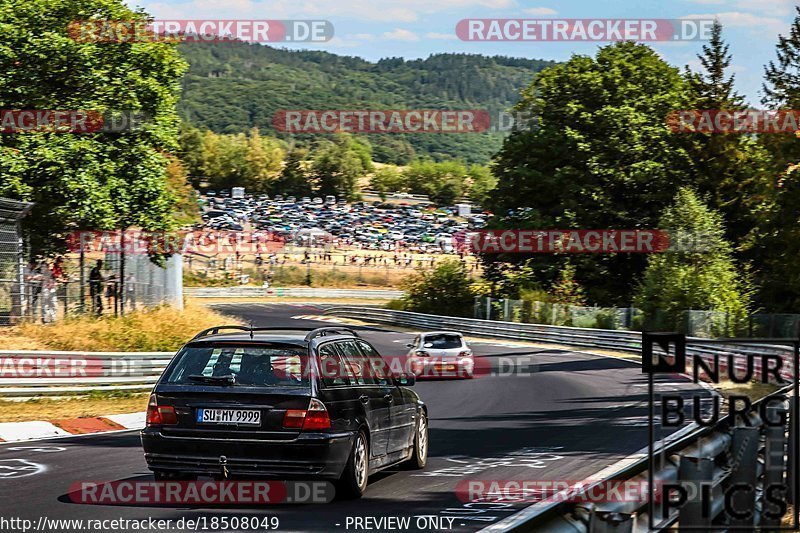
388 398
364 398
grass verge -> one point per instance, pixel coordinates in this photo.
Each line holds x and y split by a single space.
94 404
161 329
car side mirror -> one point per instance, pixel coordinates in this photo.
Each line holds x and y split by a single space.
404 380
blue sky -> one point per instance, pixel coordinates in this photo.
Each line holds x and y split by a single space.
373 29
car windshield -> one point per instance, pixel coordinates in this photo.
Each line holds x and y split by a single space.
262 365
443 341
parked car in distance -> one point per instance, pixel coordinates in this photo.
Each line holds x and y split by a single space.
274 402
440 354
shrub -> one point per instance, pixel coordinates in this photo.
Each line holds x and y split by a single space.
444 290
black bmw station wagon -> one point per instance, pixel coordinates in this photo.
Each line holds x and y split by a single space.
275 402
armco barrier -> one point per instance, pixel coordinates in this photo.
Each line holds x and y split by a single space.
616 340
291 292
139 371
722 456
56 373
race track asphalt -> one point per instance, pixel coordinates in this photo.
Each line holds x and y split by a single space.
543 414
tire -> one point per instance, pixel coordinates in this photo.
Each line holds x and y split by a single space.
419 455
353 482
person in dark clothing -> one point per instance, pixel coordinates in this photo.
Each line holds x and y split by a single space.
96 280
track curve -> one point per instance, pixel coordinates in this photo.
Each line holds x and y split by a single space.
569 416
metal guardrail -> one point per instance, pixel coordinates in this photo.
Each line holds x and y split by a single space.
615 340
719 456
294 292
56 373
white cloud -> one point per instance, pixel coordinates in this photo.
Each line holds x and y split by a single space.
539 11
441 36
738 19
359 10
360 36
766 7
399 34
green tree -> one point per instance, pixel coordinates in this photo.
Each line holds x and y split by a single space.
190 140
338 166
481 183
566 290
294 178
87 181
703 279
443 290
731 169
443 182
775 244
602 157
387 179
263 159
187 210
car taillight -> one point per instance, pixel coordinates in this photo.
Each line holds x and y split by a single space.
315 417
160 415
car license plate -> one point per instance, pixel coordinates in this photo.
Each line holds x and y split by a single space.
229 416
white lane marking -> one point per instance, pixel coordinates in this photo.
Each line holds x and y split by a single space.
41 449
322 318
129 420
524 457
14 431
14 468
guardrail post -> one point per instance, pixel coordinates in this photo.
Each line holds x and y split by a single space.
744 461
694 473
610 522
791 453
774 461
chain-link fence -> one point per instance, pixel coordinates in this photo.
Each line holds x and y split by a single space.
70 286
12 296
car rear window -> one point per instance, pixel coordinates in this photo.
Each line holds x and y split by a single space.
262 365
443 342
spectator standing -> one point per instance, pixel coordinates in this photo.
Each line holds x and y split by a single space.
33 279
96 280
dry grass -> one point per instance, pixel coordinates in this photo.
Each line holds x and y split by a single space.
283 300
755 390
13 339
87 406
159 329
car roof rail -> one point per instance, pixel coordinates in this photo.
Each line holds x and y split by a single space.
216 329
321 332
